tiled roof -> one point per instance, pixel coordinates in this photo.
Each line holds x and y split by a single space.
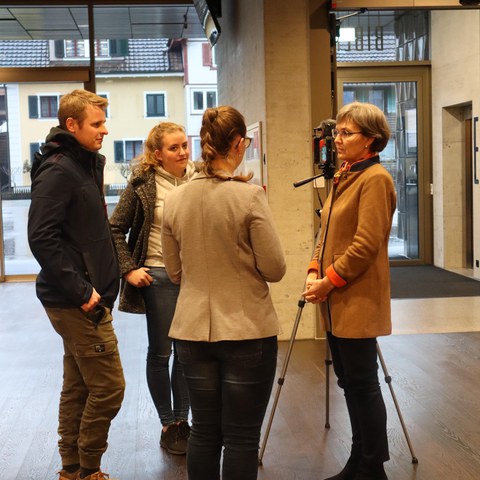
149 55
350 52
24 53
144 56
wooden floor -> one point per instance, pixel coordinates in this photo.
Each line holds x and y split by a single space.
435 378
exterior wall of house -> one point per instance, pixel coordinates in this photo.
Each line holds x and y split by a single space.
200 75
126 117
128 120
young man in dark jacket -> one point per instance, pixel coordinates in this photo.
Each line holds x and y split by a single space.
69 235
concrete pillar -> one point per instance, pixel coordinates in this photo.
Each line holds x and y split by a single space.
264 58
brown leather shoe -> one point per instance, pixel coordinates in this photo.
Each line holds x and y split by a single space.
96 476
64 475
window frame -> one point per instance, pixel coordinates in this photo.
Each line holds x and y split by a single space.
86 49
165 112
204 91
196 149
106 95
124 142
37 112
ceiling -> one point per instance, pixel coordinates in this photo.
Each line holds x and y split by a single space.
61 22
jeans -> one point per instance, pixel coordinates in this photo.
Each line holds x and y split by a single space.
229 384
93 385
355 365
160 301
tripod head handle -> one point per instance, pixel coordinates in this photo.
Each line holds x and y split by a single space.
307 180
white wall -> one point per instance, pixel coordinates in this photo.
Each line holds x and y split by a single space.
14 134
197 77
455 40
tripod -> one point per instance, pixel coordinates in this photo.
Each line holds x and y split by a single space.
328 363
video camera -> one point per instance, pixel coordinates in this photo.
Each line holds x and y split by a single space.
323 147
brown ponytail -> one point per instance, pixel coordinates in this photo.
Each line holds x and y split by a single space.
220 125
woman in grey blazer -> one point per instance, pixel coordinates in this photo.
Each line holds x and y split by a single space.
220 245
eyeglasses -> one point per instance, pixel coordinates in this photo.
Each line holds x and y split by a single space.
247 141
343 133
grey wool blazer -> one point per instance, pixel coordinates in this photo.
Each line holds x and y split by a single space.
220 243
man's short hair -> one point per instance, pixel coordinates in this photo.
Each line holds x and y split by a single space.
73 105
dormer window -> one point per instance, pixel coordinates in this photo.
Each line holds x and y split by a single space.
80 49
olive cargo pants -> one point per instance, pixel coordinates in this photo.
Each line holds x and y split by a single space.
93 384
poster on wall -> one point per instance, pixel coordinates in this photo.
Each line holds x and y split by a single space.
252 161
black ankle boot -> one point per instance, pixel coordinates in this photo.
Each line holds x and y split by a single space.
348 472
372 472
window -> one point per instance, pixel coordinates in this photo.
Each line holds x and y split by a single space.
105 95
34 147
377 97
102 48
127 150
48 107
75 49
384 36
196 149
80 49
214 60
155 105
43 106
202 99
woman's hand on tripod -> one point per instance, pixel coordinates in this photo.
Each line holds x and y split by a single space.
317 290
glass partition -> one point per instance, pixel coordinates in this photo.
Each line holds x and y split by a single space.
29 113
398 100
383 36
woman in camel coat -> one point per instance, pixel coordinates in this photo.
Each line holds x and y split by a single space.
349 276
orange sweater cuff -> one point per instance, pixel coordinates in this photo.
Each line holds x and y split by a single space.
312 266
334 277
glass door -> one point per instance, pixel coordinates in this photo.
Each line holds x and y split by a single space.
401 96
27 112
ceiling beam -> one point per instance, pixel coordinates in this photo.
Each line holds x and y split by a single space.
399 4
95 3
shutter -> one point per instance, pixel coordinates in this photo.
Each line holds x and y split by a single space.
119 152
113 48
59 49
206 55
34 148
123 48
32 106
118 48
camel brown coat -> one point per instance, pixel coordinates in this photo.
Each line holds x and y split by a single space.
220 244
354 239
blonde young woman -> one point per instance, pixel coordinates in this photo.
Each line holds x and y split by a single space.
220 244
146 287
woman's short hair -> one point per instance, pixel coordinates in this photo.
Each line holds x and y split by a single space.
74 104
370 120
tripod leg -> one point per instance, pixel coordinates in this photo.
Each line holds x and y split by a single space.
281 379
328 363
388 380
